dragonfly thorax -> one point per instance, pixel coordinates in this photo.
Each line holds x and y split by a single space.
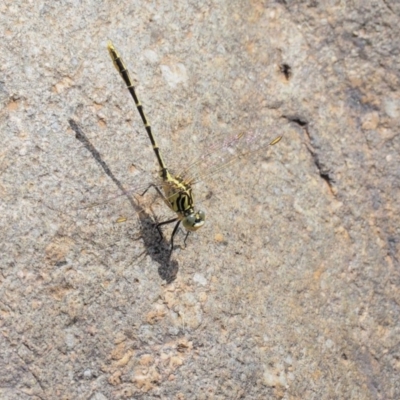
179 197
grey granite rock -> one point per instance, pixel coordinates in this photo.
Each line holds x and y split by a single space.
290 290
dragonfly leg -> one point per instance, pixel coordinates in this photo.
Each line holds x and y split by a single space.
173 234
152 185
160 193
170 221
187 235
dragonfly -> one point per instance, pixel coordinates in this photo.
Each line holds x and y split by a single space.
176 188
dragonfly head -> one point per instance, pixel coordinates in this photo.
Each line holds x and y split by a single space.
194 220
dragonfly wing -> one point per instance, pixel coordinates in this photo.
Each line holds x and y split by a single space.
224 151
98 197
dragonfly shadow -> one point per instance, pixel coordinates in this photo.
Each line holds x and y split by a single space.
155 246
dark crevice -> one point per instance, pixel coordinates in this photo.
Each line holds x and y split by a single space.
286 70
300 122
323 170
297 120
392 243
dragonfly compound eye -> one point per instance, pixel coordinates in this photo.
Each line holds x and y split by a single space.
194 221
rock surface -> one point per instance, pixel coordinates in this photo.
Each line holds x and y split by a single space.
290 291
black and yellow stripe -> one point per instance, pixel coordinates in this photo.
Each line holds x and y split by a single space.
120 66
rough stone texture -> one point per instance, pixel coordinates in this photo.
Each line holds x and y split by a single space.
290 291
